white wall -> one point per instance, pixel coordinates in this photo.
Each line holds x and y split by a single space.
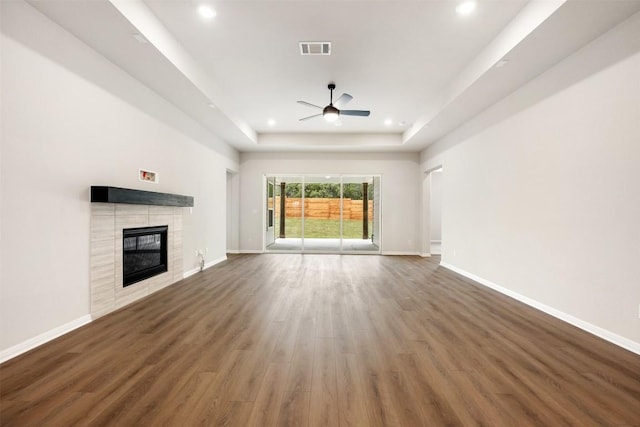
400 190
542 192
71 119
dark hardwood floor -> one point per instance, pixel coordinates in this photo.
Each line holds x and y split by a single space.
297 340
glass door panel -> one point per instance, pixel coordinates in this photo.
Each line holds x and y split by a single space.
287 214
322 214
358 214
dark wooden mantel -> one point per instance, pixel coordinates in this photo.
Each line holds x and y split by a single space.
103 194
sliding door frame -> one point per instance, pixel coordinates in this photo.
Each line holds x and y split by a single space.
303 179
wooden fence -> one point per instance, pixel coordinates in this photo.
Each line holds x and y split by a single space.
323 208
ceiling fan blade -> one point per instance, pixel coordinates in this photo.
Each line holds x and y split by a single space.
362 113
343 100
308 104
310 117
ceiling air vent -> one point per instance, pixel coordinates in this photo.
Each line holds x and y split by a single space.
315 48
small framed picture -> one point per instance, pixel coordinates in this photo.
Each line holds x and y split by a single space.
148 176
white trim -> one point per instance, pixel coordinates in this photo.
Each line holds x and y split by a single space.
249 251
233 251
425 255
190 273
215 261
38 340
579 323
400 253
207 265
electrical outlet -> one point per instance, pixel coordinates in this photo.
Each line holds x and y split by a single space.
206 250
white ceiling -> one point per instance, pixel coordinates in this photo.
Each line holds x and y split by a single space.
416 62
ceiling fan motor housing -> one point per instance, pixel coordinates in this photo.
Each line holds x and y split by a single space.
330 113
330 109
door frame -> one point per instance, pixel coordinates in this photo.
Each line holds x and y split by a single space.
303 179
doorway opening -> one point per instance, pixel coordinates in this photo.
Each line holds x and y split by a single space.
436 212
432 211
322 213
233 211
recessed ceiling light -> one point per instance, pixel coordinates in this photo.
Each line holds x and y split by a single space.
206 11
271 122
466 7
388 122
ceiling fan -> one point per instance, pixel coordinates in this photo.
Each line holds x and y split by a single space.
331 112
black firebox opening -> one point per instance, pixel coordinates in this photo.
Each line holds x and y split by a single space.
144 253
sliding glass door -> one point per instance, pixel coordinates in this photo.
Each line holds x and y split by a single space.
323 213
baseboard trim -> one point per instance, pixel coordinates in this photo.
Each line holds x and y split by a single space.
206 265
425 255
579 323
249 251
405 253
43 338
190 273
233 251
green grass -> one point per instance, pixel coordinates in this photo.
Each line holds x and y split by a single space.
323 228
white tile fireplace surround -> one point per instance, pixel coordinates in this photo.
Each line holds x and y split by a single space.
107 222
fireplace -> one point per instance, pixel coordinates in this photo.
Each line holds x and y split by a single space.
114 211
144 253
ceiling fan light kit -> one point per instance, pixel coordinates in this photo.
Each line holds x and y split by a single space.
331 113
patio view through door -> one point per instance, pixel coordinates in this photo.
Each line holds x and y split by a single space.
323 213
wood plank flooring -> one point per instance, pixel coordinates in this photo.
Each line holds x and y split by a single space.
324 340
